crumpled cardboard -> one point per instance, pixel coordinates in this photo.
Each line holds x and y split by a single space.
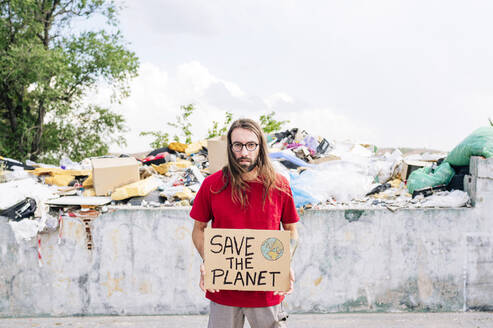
60 180
177 146
193 148
186 193
165 167
139 188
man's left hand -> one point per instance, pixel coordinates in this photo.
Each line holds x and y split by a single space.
291 284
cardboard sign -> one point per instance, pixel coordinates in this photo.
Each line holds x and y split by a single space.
245 259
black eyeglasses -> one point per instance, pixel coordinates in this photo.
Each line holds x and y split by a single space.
238 146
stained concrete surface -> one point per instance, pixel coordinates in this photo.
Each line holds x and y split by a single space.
143 262
362 320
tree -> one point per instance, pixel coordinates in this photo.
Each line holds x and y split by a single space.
269 124
47 70
161 139
183 124
216 131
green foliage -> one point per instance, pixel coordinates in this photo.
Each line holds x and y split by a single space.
160 139
96 129
47 70
216 131
269 124
183 123
491 121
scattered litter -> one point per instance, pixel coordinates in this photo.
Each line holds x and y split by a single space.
323 173
456 198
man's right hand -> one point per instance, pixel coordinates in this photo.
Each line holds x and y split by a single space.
202 277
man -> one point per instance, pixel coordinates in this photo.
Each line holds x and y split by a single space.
246 194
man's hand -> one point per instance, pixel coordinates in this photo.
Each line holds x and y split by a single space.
201 283
291 284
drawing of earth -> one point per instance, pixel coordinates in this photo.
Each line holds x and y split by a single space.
272 249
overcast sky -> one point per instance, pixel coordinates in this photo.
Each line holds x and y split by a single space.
393 73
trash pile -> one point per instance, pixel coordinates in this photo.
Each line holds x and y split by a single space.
323 174
329 174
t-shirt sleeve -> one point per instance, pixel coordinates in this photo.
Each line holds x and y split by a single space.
289 213
201 209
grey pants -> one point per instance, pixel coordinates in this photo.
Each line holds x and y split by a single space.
223 316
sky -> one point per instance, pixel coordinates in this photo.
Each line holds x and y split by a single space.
392 73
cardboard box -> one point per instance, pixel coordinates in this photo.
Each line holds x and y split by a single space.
409 166
247 259
217 153
111 173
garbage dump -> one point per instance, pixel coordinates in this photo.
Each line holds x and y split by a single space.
323 174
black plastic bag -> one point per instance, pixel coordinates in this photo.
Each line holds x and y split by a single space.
21 210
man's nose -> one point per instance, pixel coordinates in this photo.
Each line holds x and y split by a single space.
244 151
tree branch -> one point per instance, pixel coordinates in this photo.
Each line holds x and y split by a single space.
35 149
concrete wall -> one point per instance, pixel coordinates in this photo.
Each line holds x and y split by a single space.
143 262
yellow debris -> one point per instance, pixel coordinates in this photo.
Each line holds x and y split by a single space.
381 195
60 180
88 183
186 193
181 164
177 146
164 168
161 169
193 148
139 188
396 183
58 171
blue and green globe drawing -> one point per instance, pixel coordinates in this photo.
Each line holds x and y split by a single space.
272 249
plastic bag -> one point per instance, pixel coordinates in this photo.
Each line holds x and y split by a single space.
478 143
340 180
279 168
67 164
21 210
302 198
289 157
16 173
428 177
25 229
456 198
386 167
311 143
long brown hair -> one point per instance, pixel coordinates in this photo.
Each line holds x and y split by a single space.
233 172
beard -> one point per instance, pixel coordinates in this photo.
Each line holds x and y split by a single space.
247 166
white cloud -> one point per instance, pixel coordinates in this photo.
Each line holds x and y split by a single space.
156 97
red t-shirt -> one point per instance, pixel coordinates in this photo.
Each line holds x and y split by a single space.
225 214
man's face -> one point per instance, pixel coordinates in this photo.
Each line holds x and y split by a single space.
246 140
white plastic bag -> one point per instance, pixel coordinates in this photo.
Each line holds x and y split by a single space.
341 180
455 198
